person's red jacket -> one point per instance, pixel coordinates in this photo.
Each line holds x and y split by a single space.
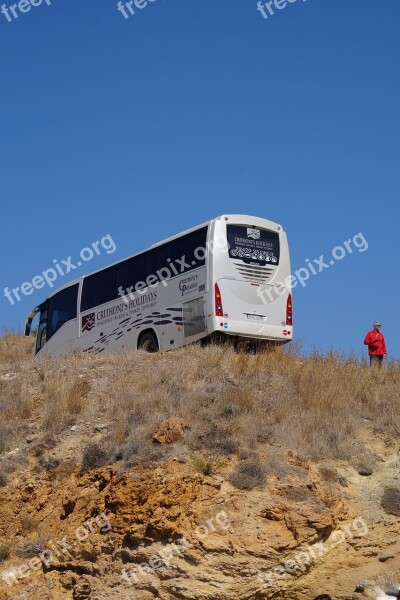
375 342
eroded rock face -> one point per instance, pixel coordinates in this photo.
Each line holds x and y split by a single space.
168 532
82 591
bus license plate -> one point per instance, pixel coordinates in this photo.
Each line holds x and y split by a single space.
256 317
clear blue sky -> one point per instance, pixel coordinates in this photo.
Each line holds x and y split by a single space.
146 126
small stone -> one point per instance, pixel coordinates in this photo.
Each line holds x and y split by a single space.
100 427
8 376
12 453
385 557
392 590
31 438
74 428
360 587
180 459
365 470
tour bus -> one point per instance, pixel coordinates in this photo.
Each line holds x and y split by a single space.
227 277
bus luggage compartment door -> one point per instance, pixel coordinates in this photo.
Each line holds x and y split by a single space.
194 321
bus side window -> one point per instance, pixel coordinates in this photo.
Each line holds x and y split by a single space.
99 288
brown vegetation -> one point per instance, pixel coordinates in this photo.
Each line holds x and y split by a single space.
231 401
266 437
15 348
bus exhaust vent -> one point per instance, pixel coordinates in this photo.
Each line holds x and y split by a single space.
254 273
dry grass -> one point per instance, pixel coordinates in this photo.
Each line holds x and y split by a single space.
206 463
317 406
14 349
66 399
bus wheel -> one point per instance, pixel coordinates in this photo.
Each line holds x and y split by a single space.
148 342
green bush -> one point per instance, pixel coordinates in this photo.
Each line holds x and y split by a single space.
205 463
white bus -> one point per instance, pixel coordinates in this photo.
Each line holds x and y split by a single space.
228 277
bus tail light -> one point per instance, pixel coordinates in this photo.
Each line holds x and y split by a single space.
289 311
218 302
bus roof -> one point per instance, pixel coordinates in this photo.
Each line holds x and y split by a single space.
246 219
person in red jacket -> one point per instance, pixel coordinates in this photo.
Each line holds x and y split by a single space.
375 340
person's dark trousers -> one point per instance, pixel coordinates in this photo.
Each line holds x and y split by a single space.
375 359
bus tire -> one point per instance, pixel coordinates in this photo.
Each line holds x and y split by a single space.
148 342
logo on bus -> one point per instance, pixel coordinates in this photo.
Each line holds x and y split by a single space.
88 322
253 233
189 284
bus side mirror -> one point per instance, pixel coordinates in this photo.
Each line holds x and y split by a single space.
30 317
28 324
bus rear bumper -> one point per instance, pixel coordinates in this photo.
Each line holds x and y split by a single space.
252 330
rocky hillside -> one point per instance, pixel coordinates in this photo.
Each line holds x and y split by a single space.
197 474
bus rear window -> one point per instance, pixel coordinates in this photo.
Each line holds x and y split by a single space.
252 245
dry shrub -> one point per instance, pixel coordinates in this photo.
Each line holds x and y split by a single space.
4 437
329 474
94 456
391 501
275 463
47 464
213 438
4 552
3 478
140 450
248 475
31 548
